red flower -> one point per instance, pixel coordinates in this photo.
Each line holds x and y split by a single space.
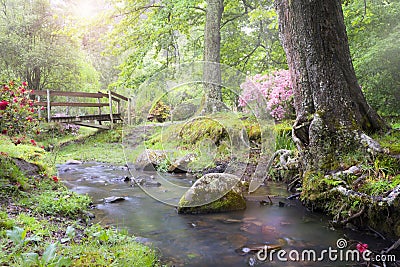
55 179
362 247
33 142
6 87
3 104
4 132
42 108
29 118
24 84
15 100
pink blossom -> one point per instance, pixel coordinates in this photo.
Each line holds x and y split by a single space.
362 247
275 88
3 104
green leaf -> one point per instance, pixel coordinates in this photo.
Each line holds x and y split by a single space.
63 262
49 254
17 235
30 259
70 232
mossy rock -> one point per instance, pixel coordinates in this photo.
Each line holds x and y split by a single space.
180 165
149 159
214 192
184 111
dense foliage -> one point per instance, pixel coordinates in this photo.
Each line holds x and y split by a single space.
151 37
374 36
35 47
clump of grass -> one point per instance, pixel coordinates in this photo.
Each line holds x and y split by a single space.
390 141
104 146
60 202
5 222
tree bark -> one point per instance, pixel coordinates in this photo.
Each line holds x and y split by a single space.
331 110
212 47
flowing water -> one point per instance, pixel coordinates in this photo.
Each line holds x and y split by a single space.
213 239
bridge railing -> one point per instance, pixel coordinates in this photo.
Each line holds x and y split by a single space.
110 96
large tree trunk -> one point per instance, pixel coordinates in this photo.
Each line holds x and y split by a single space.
331 110
212 47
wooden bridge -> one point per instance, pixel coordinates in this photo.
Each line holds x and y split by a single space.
113 115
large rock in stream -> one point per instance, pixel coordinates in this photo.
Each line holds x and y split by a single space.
214 192
180 165
149 159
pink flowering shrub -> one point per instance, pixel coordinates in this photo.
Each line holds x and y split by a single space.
18 118
274 88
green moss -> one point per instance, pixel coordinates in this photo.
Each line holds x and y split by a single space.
230 202
254 132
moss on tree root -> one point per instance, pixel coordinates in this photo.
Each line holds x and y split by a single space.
351 201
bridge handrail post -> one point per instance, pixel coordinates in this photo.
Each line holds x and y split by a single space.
48 106
111 111
129 111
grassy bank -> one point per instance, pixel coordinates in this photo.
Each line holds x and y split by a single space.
42 223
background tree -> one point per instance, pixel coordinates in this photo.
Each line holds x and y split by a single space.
212 55
332 113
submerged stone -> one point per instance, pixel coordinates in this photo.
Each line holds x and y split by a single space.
113 199
73 162
214 192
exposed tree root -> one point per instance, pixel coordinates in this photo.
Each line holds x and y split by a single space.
370 143
373 146
376 232
392 247
292 184
358 214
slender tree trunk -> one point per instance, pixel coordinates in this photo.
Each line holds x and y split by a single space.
212 47
331 110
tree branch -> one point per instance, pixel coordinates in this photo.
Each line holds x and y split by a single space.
233 18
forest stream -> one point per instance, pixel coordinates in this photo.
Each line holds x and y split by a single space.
223 239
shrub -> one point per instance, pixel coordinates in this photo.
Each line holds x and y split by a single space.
275 88
160 112
18 119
